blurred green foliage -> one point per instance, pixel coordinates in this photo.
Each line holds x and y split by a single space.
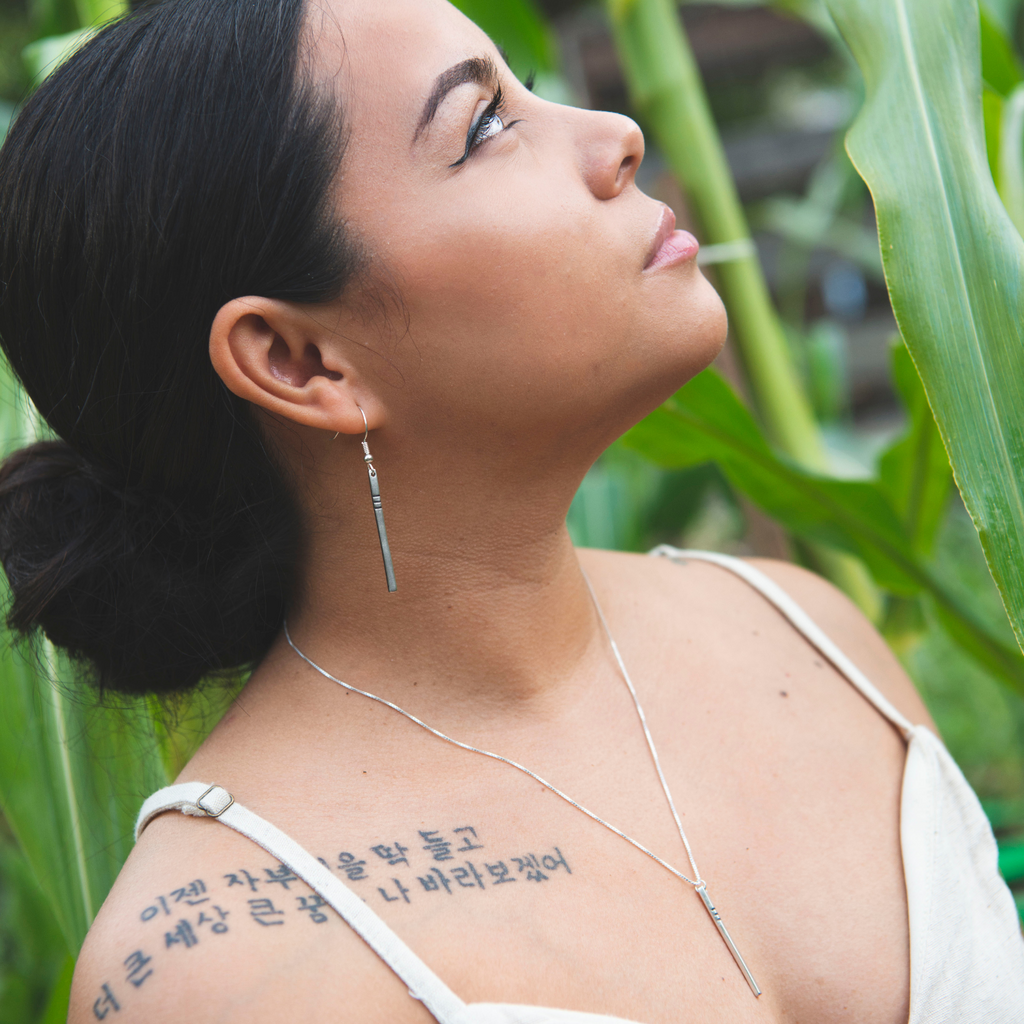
626 502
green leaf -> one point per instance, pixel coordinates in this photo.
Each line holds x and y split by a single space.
705 422
56 1011
72 778
47 54
72 774
53 17
1004 12
519 29
32 948
992 116
98 12
6 116
953 259
1000 66
915 472
1010 176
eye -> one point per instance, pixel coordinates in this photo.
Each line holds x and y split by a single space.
487 125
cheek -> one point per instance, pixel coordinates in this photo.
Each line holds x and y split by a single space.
526 303
526 294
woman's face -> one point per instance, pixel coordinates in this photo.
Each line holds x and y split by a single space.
515 238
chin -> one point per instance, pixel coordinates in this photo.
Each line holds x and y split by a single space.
691 338
669 364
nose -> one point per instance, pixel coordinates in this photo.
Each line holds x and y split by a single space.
611 148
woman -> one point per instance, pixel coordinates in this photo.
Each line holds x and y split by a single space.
238 240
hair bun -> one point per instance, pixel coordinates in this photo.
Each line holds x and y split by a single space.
185 155
152 596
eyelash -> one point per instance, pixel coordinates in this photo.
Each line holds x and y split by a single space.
486 120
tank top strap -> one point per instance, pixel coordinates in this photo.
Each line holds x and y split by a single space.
202 800
800 620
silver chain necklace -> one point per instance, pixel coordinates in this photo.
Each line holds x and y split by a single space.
698 883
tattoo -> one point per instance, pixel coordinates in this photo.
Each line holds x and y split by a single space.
192 894
394 855
468 844
234 880
216 922
183 933
468 877
135 962
312 904
532 868
353 868
280 876
439 848
403 893
264 912
105 1003
433 862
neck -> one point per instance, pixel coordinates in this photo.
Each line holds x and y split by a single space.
491 608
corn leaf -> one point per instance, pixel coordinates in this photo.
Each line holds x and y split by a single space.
47 54
518 28
1009 146
954 261
1000 66
72 778
72 774
705 422
1003 114
992 116
53 17
56 1011
96 12
914 472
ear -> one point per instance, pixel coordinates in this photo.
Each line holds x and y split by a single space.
275 355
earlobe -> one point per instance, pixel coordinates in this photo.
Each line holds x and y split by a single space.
264 352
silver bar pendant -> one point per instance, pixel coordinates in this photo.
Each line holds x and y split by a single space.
378 512
702 892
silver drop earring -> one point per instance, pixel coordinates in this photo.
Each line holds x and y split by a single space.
378 511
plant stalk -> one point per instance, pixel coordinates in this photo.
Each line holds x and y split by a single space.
668 93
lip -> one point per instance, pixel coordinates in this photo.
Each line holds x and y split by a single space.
670 246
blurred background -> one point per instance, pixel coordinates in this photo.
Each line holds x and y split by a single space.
782 93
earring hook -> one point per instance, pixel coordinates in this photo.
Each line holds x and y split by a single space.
366 429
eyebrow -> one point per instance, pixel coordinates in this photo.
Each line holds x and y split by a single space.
481 70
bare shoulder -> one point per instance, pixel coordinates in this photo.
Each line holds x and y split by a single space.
851 631
201 925
160 937
659 584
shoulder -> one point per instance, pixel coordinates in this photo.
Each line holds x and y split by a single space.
151 948
852 632
186 935
673 588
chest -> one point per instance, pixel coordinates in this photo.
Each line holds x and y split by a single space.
788 786
511 895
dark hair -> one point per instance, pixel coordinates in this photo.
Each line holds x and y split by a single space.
183 157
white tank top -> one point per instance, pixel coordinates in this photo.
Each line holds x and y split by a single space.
966 950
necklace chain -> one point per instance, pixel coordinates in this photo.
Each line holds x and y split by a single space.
697 882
